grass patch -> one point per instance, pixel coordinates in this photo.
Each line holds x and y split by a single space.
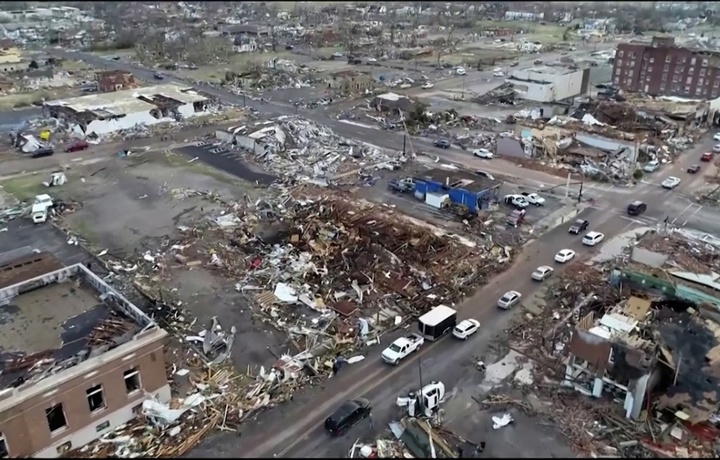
74 66
239 63
83 228
534 31
24 188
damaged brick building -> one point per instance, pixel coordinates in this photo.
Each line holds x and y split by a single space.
662 68
77 357
114 80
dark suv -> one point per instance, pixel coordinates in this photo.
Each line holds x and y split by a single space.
442 143
636 208
347 415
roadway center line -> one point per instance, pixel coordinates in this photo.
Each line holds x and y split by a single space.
699 207
682 212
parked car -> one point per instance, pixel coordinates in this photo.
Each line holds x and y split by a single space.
442 143
42 152
158 76
716 148
542 273
707 156
77 146
509 300
564 255
651 166
466 328
636 208
518 201
694 169
534 198
480 172
427 85
716 137
671 182
578 226
460 71
347 415
483 153
592 238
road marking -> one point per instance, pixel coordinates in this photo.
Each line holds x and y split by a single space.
681 213
699 207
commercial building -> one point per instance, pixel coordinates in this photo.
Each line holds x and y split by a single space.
550 84
662 68
104 113
462 188
77 358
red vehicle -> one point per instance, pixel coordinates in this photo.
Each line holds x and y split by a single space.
707 156
77 146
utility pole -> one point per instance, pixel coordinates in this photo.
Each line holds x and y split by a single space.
580 194
404 141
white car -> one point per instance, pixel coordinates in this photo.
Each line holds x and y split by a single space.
427 85
542 273
671 182
518 201
466 328
716 137
461 71
371 60
483 153
498 74
509 300
651 166
564 255
592 238
716 148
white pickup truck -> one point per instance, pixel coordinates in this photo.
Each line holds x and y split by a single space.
402 347
534 198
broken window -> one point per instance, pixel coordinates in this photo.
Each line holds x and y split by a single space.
617 70
664 77
687 89
620 62
3 447
132 380
56 418
633 55
698 90
668 59
616 80
620 53
662 87
705 63
95 398
693 61
666 67
701 81
702 72
103 426
652 60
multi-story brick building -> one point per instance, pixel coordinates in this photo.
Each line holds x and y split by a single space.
665 69
77 358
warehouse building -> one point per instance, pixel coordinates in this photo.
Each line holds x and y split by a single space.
104 113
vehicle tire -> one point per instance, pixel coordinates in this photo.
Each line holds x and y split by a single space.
466 337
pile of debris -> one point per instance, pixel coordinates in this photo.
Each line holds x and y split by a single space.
301 150
418 438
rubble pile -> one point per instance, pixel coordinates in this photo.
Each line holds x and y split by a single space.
335 257
301 150
418 438
593 342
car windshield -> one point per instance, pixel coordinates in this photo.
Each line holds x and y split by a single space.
579 222
539 271
507 298
394 348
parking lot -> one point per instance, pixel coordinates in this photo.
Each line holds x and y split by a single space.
225 158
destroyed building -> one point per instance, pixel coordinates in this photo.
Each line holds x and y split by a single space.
550 84
349 81
77 357
114 80
393 103
99 114
663 350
